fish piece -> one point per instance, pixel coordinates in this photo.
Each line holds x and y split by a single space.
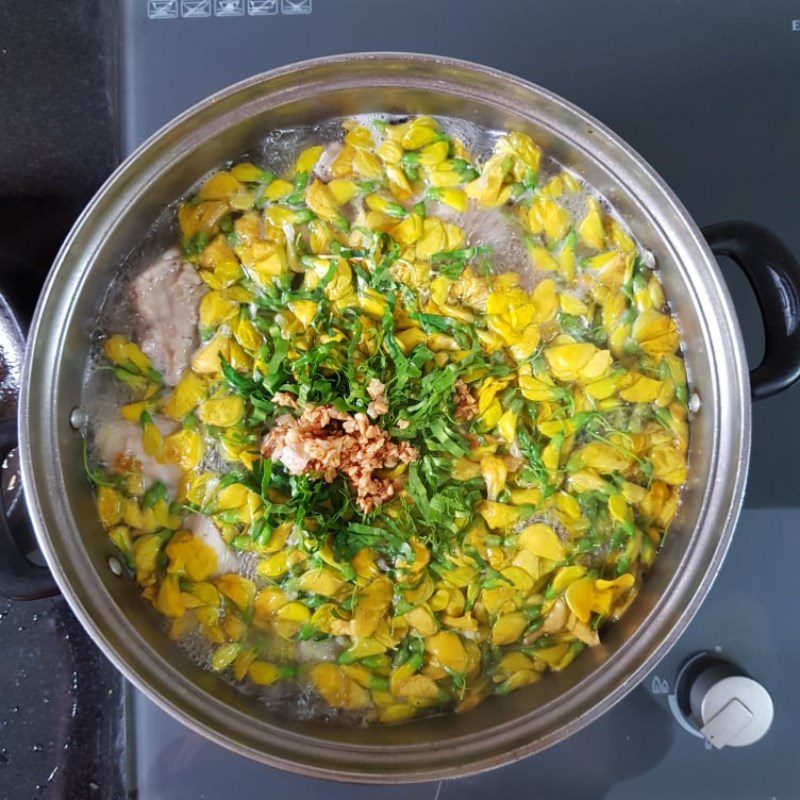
166 297
204 529
493 228
121 448
322 169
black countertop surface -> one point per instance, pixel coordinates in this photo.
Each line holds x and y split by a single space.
59 724
58 132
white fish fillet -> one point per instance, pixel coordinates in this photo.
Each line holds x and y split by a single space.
490 227
166 296
123 438
322 169
205 529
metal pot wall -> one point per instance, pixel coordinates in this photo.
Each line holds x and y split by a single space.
503 728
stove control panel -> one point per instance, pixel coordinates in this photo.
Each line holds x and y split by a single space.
715 700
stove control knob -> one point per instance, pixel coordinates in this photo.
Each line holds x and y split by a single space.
728 708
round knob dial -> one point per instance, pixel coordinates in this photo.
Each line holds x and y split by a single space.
731 709
720 703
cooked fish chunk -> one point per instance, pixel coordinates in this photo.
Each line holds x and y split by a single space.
313 651
120 445
495 229
205 529
322 169
166 297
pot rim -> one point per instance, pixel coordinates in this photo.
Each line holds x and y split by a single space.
628 674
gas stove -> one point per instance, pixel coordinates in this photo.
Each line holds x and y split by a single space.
708 93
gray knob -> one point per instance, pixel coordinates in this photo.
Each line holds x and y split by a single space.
730 709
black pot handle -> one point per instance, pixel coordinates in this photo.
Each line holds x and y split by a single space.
774 274
20 578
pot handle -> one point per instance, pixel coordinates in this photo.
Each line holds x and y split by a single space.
774 274
20 578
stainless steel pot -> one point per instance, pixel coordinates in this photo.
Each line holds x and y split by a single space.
504 728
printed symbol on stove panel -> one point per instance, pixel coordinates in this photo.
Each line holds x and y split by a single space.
162 9
295 6
659 685
796 25
262 8
229 8
194 9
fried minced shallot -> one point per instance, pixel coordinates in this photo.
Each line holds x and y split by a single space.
329 442
378 404
284 400
466 405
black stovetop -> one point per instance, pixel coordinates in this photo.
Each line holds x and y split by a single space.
708 93
60 700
